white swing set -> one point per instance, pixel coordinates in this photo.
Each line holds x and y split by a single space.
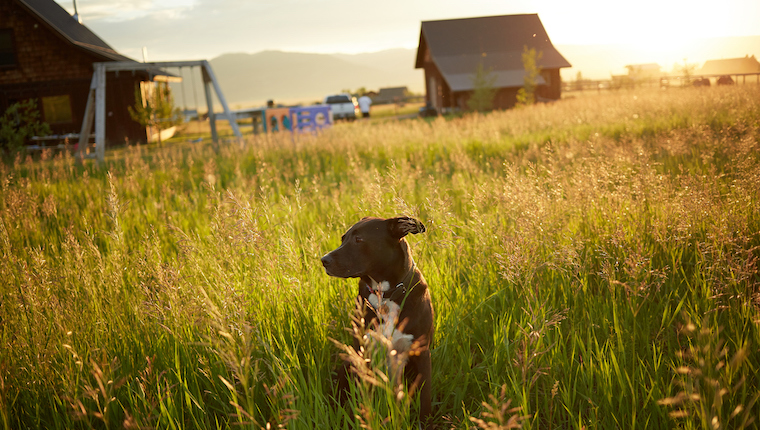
95 110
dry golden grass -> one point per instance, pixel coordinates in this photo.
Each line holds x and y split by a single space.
567 244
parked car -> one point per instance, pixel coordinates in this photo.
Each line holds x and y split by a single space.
725 80
343 106
428 110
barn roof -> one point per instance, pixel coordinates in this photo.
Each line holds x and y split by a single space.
56 17
391 94
457 46
731 66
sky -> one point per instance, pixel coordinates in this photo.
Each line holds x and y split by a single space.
203 29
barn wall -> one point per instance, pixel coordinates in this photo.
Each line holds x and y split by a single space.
442 96
120 93
505 98
553 89
433 95
76 89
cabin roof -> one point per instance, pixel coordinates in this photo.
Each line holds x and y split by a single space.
59 20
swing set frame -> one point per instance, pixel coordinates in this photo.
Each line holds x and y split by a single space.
95 110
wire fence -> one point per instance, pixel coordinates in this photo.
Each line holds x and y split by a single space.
666 81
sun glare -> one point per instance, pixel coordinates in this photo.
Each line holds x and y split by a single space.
668 33
648 24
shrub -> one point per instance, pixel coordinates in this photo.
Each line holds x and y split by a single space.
20 122
481 99
527 94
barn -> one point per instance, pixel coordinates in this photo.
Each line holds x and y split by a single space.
47 55
391 95
742 66
450 52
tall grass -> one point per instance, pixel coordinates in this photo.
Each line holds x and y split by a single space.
568 247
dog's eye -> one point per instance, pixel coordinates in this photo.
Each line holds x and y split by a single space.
358 239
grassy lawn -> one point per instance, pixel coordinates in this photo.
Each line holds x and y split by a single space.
394 110
593 262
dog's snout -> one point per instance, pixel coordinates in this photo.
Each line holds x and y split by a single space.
326 261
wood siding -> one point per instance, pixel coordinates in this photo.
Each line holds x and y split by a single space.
443 98
49 65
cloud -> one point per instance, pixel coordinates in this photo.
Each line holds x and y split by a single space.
125 10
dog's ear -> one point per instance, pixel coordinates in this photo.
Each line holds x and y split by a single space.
401 226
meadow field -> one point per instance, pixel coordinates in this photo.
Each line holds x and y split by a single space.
593 264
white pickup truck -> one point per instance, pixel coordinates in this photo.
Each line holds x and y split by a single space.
343 106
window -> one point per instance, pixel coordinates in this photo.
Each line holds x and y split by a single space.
7 48
334 100
57 109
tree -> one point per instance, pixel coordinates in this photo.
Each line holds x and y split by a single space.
579 81
158 111
686 70
20 122
484 92
527 94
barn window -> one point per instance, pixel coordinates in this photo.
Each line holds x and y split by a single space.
7 48
57 109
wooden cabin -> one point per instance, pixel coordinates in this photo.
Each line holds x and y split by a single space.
47 55
450 52
391 95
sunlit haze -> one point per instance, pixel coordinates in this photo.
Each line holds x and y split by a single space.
652 31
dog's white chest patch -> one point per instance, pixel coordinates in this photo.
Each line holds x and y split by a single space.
380 286
388 314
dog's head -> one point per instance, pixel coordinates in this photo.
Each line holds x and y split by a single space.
371 245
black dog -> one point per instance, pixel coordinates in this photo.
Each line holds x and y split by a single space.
375 251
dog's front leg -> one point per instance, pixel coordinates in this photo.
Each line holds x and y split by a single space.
419 367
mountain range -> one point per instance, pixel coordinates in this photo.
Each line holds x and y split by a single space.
292 77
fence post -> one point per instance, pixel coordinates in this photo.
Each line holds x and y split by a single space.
89 116
100 112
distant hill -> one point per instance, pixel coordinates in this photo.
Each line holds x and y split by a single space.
292 77
390 61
